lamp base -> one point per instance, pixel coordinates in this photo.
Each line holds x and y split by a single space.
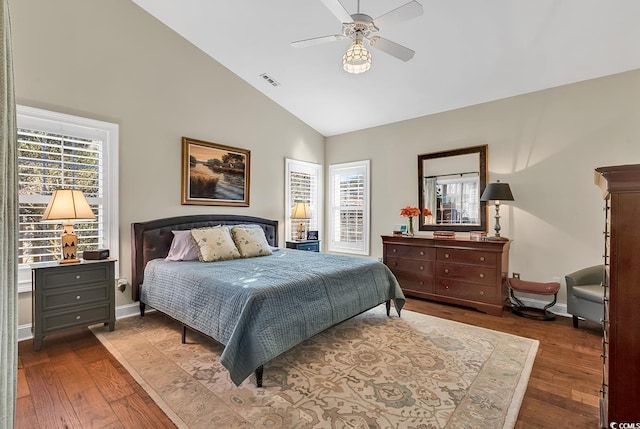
494 238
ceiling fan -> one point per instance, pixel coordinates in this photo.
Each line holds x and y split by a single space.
360 27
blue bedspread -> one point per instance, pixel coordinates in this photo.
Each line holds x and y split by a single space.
261 307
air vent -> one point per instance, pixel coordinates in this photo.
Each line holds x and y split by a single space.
269 79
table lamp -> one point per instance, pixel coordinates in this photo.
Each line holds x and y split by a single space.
497 192
301 211
67 205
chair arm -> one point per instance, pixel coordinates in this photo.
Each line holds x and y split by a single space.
586 276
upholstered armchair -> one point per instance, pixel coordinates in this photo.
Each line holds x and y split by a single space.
585 294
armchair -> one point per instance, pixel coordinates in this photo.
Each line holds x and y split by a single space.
585 294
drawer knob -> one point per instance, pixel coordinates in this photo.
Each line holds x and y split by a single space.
421 282
446 270
481 275
78 277
481 292
77 317
395 250
421 268
446 287
422 253
77 296
447 256
395 264
481 258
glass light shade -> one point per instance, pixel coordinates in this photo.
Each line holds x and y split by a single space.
357 59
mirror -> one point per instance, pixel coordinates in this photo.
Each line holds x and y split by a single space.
449 185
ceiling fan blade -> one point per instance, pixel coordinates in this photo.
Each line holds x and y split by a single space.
402 13
316 41
392 48
337 10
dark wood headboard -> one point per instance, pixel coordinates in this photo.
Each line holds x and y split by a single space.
152 239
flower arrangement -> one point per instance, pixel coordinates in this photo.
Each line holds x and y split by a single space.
412 212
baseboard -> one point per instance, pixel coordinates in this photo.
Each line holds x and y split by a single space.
123 311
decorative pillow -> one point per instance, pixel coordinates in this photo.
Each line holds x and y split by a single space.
250 241
182 247
215 244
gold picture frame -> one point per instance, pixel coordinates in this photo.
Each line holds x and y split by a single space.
214 174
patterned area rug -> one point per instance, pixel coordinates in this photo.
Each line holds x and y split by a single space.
372 371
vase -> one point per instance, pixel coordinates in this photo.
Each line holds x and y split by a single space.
410 232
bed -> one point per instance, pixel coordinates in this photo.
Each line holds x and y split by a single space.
256 307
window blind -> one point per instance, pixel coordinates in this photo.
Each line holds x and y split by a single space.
303 185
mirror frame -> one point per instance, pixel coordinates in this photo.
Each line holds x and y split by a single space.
482 168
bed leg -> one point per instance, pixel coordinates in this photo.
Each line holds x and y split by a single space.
184 334
259 371
142 305
388 308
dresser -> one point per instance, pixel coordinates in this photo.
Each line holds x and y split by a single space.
620 187
68 296
455 271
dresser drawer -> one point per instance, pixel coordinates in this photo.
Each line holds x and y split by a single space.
66 276
64 297
468 273
415 283
413 266
84 316
470 291
475 257
411 252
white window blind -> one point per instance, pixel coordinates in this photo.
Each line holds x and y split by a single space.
61 151
349 196
304 184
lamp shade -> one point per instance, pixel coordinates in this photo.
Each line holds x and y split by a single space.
68 204
497 192
357 59
301 211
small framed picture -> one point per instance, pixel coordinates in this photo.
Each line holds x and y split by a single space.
312 235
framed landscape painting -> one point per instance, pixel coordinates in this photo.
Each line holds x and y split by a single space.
214 174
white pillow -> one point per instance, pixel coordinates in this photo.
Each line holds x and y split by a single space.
183 248
250 241
215 244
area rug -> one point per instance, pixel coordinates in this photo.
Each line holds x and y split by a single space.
372 371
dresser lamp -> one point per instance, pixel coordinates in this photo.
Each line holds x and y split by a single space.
497 192
300 212
68 205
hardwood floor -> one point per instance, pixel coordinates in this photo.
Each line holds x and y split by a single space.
73 382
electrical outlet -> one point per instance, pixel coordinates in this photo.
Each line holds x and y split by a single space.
380 259
516 276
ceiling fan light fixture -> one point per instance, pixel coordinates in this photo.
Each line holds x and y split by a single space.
357 59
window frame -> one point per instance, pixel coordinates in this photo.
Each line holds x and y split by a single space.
61 123
335 170
293 165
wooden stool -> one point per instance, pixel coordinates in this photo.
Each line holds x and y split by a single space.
518 307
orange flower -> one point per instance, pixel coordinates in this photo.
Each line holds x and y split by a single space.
426 212
409 211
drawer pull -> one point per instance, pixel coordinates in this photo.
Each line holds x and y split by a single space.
481 293
447 256
481 258
77 296
421 283
77 317
421 267
422 253
395 250
395 264
78 277
446 270
481 275
446 287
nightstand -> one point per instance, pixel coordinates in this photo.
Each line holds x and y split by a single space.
309 245
72 296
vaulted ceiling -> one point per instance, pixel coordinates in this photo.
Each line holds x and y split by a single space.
467 52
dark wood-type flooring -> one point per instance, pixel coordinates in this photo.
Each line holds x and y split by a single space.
74 382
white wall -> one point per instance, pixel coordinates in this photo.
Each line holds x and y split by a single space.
545 145
110 60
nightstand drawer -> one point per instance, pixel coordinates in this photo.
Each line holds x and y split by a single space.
61 298
67 276
75 317
309 245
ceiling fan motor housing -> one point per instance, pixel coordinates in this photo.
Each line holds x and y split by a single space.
362 24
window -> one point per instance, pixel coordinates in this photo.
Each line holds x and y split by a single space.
56 151
304 184
349 196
